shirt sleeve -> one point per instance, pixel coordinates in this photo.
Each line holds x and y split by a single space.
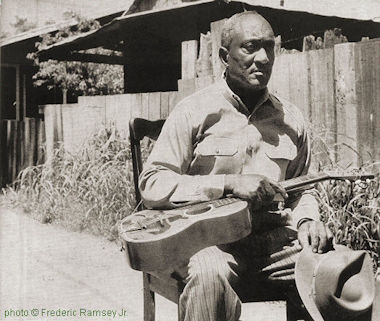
163 182
305 206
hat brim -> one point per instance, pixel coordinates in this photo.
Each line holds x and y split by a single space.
304 271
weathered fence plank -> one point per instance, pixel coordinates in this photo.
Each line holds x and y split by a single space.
19 147
189 59
335 88
154 106
367 66
346 104
216 39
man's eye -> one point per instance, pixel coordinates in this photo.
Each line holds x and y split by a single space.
249 48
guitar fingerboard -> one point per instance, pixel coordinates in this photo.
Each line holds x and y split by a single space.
224 201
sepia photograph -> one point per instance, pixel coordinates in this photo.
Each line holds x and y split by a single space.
190 160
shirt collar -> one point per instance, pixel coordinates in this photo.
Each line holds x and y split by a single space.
238 103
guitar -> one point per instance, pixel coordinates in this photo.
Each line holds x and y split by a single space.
156 240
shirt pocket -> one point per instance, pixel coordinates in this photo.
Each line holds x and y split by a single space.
216 155
279 157
285 149
217 146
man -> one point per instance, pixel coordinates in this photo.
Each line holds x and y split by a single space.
234 137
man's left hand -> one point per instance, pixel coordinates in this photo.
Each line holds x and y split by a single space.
316 235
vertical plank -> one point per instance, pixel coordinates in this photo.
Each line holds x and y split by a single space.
24 107
164 105
216 36
279 82
27 142
174 98
14 148
18 93
33 152
136 105
145 105
3 153
204 61
21 146
118 112
10 130
189 54
41 141
322 102
367 57
154 105
298 94
186 87
346 104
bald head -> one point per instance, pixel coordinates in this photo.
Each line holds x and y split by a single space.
247 51
236 23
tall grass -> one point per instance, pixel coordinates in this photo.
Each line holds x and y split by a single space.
93 189
90 190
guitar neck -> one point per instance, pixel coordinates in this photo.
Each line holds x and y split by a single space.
305 180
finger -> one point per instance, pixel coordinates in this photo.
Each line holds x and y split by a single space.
303 237
330 237
269 191
279 189
322 238
314 237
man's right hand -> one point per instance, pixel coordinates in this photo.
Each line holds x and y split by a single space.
257 188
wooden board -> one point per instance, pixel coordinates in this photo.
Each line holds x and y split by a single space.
189 54
346 104
367 84
216 36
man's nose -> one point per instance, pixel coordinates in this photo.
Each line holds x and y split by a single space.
261 56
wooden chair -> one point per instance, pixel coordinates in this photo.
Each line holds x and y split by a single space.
170 287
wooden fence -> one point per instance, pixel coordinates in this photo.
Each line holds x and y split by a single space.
337 89
21 146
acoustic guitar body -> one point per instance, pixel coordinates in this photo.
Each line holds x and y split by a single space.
159 239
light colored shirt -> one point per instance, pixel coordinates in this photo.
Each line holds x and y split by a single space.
212 133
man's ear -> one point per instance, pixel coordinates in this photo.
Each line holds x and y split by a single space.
223 55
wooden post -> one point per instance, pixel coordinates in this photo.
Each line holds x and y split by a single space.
18 98
216 41
308 43
64 96
41 141
24 107
189 56
3 152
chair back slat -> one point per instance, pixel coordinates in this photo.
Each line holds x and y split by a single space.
138 129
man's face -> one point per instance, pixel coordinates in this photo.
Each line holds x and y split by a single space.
251 54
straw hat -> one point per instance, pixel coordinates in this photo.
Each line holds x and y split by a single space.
337 285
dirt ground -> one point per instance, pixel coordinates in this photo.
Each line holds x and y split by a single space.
47 269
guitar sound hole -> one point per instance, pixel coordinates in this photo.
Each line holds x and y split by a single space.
198 210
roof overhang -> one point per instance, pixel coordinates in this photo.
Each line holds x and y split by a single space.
164 23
